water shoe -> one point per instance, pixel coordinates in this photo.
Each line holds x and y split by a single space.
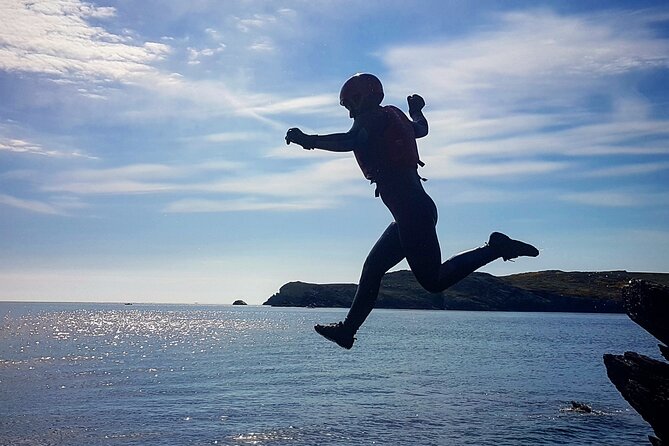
336 333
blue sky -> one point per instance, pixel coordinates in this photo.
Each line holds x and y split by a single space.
142 154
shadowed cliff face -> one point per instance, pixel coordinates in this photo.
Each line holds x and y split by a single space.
643 381
539 291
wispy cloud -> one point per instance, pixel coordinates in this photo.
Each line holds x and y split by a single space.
244 205
617 198
483 195
260 28
226 137
26 147
535 86
530 54
303 105
39 207
635 137
502 103
134 179
450 168
217 187
629 170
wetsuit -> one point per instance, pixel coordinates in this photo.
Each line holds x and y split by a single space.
412 234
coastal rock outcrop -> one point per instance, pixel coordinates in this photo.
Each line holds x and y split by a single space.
537 291
643 381
239 302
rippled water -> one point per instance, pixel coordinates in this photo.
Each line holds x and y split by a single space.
77 374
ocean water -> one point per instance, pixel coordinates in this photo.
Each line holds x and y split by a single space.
84 374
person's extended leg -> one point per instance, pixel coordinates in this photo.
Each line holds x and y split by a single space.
386 253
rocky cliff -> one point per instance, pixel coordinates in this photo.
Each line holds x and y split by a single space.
644 381
535 291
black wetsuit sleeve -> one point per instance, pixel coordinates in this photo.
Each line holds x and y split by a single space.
420 127
339 142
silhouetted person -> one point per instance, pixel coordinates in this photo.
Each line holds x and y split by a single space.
383 141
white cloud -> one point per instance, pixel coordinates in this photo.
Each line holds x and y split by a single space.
195 56
21 146
56 38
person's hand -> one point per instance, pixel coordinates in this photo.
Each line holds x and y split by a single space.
416 103
298 137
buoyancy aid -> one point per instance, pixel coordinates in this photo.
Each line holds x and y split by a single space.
390 146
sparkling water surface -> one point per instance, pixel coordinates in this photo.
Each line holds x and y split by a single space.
94 374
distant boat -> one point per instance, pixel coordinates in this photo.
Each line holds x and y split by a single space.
127 303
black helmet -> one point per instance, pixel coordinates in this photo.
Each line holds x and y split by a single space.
363 90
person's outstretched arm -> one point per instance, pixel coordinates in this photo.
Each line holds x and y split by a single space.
334 142
416 104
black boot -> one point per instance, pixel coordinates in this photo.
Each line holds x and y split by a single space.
508 249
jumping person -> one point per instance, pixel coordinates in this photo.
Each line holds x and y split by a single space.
383 140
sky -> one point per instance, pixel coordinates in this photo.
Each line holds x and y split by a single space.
142 153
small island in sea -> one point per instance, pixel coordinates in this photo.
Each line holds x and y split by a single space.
557 291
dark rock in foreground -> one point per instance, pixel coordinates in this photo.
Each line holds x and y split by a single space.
239 302
643 381
537 291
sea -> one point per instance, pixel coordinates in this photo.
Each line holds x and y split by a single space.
113 374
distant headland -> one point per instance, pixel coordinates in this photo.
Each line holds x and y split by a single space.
556 291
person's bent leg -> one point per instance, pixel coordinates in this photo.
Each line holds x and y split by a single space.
461 265
437 278
418 236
